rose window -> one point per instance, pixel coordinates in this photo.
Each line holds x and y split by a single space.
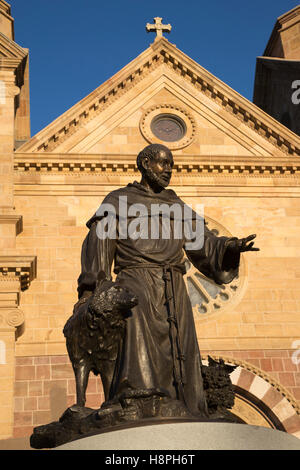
206 296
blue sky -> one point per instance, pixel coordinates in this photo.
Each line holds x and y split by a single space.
76 45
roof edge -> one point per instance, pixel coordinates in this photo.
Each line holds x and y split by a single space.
159 52
279 25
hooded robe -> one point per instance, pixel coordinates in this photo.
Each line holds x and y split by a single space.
160 349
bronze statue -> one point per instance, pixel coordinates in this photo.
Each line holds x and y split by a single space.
160 349
156 368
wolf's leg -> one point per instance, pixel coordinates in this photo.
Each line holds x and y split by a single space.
107 373
82 371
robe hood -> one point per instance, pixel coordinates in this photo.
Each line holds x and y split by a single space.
138 194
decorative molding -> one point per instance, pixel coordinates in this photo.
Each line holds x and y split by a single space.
163 51
13 91
21 267
183 114
241 111
11 50
13 59
14 317
243 169
92 110
5 8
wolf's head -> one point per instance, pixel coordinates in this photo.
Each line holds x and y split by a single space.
112 298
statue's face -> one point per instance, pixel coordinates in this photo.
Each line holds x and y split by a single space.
159 169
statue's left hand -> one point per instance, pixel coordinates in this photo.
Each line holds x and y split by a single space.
240 245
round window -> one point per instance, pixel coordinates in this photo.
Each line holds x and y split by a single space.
168 127
168 124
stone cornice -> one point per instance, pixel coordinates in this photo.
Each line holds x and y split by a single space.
10 49
9 63
189 164
5 7
12 58
22 267
289 15
163 52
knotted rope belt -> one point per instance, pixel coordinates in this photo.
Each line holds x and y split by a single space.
170 295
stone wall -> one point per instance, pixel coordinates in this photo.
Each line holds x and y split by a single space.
290 37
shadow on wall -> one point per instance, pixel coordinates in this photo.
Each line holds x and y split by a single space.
58 404
20 443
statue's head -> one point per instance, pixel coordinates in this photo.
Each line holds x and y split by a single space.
155 162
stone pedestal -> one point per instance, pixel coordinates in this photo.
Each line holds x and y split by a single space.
188 436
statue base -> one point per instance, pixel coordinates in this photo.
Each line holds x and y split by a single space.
133 408
183 435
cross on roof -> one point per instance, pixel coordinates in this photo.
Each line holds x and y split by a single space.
158 27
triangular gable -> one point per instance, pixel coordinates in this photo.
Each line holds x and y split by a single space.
163 61
126 126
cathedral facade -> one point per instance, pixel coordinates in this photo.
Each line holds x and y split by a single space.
236 158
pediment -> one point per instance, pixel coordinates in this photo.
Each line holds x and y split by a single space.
126 129
110 117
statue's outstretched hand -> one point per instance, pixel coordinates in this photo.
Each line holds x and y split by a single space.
240 245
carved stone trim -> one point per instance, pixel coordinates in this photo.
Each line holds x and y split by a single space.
11 50
22 267
181 168
183 114
99 105
13 91
236 109
13 59
15 317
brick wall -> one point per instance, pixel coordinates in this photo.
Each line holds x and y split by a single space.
45 385
44 388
